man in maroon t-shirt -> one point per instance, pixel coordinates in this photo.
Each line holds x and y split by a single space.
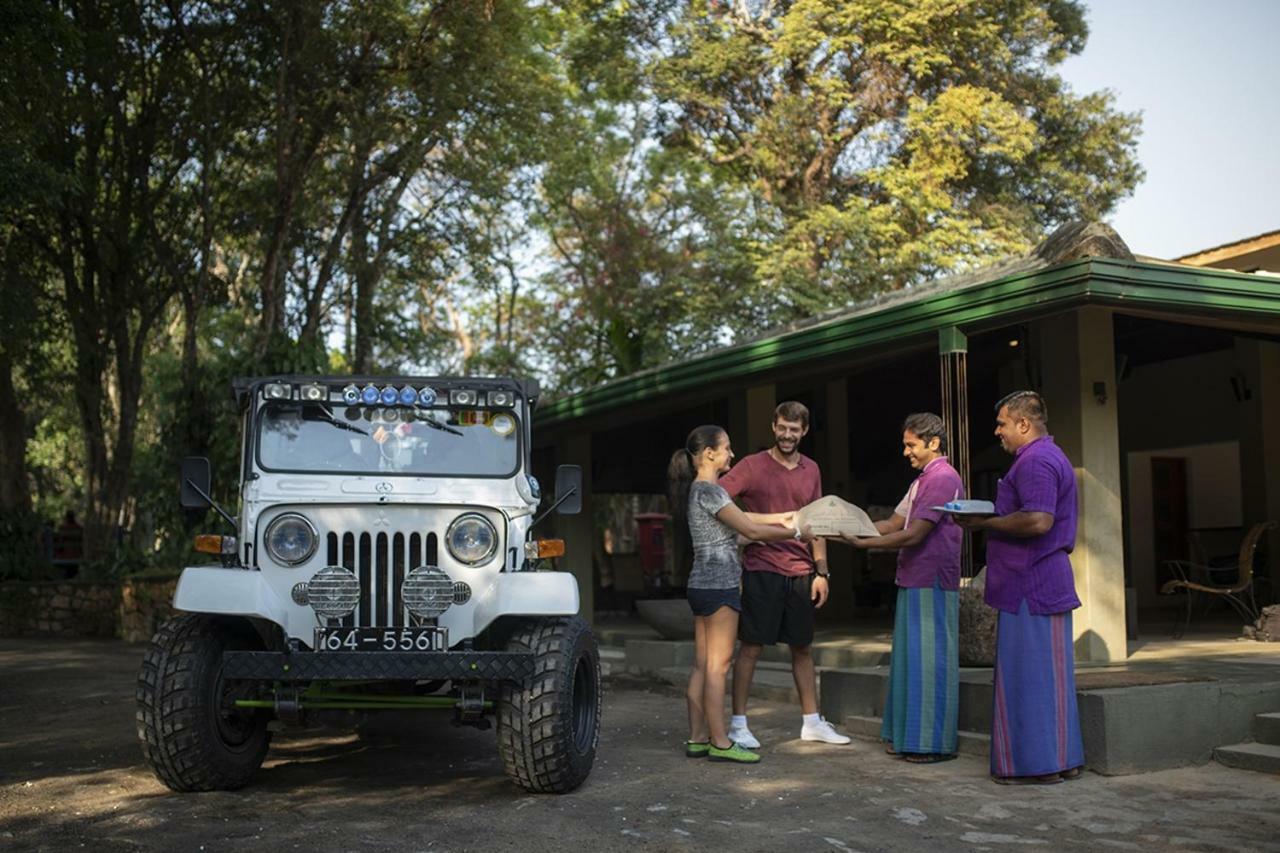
782 582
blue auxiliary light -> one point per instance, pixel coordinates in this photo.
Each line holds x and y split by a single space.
369 395
351 395
426 396
408 396
389 396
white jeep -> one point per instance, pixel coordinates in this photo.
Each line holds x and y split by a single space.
383 560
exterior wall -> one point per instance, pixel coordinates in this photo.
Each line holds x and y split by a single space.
1258 363
1213 501
130 610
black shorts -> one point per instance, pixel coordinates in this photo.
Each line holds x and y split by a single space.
776 609
705 602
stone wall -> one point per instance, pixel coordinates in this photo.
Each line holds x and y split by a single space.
130 609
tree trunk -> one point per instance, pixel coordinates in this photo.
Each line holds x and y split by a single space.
15 494
364 284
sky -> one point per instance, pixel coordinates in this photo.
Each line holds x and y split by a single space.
1206 76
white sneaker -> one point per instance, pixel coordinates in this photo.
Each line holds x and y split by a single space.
742 736
821 731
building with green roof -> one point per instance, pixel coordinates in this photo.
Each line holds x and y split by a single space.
1162 382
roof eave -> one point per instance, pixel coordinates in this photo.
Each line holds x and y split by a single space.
972 308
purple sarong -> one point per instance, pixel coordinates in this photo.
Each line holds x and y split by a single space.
1035 727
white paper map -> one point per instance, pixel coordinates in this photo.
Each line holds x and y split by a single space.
833 516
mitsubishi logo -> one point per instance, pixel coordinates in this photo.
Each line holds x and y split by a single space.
381 519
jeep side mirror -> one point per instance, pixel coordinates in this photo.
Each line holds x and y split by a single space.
195 483
569 489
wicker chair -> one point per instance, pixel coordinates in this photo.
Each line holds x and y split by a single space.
1196 579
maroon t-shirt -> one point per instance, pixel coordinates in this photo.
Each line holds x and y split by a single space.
766 485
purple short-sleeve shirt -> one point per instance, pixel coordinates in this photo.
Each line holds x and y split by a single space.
937 558
1035 568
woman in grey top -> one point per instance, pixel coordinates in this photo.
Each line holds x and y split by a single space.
715 523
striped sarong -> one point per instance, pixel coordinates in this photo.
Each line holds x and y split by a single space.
921 709
1035 724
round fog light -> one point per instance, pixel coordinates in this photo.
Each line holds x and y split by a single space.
427 592
333 592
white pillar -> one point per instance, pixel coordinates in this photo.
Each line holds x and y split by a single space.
1077 353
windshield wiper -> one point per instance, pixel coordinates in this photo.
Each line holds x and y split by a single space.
442 427
330 419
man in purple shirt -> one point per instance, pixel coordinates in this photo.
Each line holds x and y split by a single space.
921 710
1035 732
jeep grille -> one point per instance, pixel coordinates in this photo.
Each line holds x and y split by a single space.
380 561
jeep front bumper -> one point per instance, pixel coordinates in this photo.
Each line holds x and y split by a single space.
377 666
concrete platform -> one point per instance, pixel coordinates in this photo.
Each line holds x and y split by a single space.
1171 704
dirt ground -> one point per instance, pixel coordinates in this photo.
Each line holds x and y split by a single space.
71 776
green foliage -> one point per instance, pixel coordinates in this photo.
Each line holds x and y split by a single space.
892 140
21 555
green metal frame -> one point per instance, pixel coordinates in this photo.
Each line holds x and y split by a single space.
320 696
1126 285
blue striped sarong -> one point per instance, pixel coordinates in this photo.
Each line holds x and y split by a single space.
1035 723
921 710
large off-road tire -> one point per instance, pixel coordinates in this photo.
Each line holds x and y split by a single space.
548 727
192 735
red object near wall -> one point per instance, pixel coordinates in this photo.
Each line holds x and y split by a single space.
652 533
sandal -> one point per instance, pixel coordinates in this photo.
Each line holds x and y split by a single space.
1046 779
889 750
928 757
1073 773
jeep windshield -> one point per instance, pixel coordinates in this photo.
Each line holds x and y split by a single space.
317 438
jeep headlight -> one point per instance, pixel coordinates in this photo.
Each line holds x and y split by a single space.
471 539
290 539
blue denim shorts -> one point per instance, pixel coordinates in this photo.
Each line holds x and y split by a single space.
704 602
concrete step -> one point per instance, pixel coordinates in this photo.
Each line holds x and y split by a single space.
861 693
1266 728
1262 757
773 685
612 660
645 655
868 728
617 637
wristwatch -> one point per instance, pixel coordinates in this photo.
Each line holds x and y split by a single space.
822 574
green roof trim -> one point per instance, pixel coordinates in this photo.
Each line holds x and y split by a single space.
1131 285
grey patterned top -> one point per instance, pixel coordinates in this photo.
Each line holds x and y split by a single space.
715 547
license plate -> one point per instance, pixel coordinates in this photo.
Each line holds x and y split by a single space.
382 639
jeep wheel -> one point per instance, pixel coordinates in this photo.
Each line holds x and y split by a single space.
193 736
548 728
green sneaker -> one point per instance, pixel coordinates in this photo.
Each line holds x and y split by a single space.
695 749
733 753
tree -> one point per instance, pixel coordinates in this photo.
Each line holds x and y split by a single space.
891 140
112 125
646 264
364 109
